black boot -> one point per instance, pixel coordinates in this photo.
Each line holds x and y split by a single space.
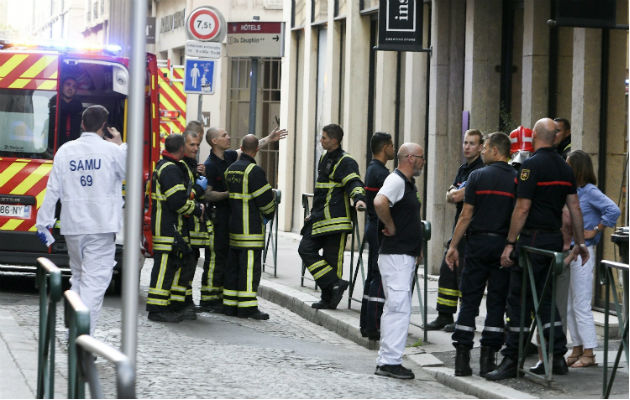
487 361
440 322
462 361
505 370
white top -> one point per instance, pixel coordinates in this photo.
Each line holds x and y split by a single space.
393 188
87 177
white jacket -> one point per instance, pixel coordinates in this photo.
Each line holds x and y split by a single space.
87 177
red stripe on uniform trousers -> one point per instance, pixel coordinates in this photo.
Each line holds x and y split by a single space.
554 183
372 189
497 192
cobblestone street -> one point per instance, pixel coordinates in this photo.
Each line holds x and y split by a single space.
225 357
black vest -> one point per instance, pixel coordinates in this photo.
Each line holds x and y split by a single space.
406 216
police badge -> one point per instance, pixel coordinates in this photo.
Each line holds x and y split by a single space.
524 174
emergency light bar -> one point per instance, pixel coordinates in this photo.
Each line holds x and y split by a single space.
112 49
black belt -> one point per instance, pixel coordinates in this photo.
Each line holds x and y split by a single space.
487 234
532 232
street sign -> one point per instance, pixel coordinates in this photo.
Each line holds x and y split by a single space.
255 39
195 48
199 77
206 24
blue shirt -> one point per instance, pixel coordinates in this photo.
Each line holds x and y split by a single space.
596 207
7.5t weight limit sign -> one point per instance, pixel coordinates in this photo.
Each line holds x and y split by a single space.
206 24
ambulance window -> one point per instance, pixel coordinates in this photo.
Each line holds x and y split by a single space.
24 123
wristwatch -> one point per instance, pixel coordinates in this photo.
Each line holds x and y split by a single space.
596 229
583 245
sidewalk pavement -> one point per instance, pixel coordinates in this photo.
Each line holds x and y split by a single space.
437 354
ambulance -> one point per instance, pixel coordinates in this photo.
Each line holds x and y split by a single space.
32 125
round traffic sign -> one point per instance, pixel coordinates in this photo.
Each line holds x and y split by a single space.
205 23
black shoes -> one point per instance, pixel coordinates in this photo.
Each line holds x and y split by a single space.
259 315
320 305
449 327
462 361
337 293
394 371
165 316
440 322
211 307
189 313
558 366
505 370
487 362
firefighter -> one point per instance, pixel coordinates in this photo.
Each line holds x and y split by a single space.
219 159
87 177
330 221
252 203
171 204
545 184
485 219
373 296
181 291
448 283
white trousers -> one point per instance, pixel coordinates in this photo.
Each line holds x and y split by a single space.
397 275
579 315
92 265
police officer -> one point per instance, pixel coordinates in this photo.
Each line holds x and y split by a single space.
87 177
448 282
171 207
373 296
330 221
545 184
181 290
251 204
220 158
485 219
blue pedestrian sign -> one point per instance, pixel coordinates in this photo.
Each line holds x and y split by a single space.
199 76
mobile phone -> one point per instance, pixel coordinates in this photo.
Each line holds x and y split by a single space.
106 132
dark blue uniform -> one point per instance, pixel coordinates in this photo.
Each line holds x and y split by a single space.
448 283
491 191
373 296
546 179
216 254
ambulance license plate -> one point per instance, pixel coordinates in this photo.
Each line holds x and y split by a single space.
18 211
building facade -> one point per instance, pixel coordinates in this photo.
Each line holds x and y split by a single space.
490 64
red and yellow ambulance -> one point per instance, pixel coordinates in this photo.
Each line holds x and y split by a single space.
30 89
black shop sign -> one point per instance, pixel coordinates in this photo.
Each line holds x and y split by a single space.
400 25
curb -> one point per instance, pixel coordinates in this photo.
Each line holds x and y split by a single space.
339 322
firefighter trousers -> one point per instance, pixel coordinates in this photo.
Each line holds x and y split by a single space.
326 269
540 264
214 265
448 283
483 264
373 295
181 289
242 277
165 266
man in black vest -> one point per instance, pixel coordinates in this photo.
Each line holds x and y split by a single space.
398 208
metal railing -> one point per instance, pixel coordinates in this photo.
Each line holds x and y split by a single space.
49 283
555 268
82 349
306 208
272 236
606 277
426 236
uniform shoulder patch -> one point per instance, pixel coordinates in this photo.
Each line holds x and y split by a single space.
524 174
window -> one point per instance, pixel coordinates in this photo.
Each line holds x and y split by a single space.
24 114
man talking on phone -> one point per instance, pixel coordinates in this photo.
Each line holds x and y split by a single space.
87 177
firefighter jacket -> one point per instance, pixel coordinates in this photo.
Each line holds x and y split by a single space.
171 203
251 201
197 228
338 181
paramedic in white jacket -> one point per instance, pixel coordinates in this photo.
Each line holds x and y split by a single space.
87 177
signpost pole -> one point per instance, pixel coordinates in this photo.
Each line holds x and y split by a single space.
199 105
252 96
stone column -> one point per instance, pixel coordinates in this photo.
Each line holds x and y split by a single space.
535 61
385 93
586 99
445 115
482 81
